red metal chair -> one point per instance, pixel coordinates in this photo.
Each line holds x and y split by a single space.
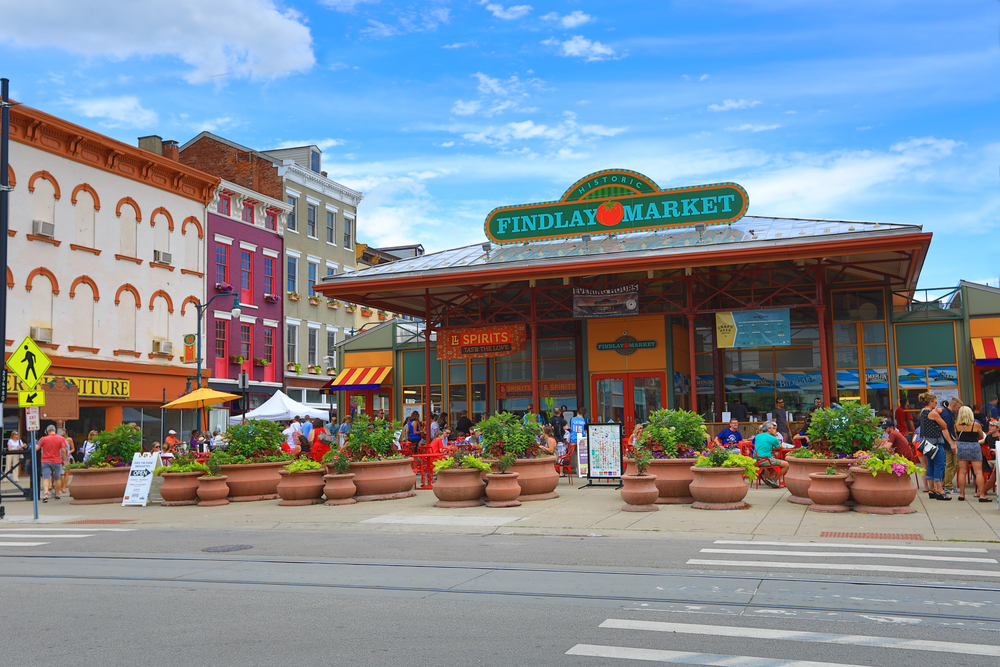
765 464
565 462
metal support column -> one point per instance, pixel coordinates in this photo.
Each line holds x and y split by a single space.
427 365
694 374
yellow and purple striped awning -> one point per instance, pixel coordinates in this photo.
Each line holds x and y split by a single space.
359 379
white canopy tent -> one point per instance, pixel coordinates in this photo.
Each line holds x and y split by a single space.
281 408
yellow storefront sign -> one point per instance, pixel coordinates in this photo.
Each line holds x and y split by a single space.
89 387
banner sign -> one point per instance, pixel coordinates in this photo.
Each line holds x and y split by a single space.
604 451
89 387
626 345
493 341
617 201
140 478
189 349
618 302
911 378
877 378
753 328
848 380
749 383
554 388
942 376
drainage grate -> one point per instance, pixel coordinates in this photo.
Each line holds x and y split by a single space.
231 547
93 521
875 536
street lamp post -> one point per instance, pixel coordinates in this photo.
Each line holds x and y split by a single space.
201 308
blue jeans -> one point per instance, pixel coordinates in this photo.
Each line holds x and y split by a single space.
935 466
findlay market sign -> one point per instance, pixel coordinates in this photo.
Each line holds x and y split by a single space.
617 201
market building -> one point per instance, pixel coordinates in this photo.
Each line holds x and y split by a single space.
106 252
624 297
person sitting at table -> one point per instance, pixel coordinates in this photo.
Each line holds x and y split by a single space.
440 442
730 437
764 444
635 440
801 439
547 443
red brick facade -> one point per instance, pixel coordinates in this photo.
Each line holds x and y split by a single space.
240 167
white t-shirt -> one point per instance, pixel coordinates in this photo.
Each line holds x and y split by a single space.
289 434
14 444
88 447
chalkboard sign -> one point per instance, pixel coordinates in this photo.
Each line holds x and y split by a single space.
604 451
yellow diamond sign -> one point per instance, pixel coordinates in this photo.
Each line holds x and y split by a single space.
28 362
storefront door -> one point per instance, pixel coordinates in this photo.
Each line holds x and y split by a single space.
627 398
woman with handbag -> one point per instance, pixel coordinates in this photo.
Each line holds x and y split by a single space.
933 436
319 440
970 435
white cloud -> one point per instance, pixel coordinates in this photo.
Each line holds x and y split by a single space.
567 132
345 5
747 127
862 129
447 144
581 47
460 45
339 66
461 108
730 105
703 77
508 14
214 124
241 38
124 111
408 21
571 20
322 144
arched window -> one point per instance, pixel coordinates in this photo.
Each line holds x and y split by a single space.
83 315
40 298
43 200
128 220
160 328
127 308
86 208
162 226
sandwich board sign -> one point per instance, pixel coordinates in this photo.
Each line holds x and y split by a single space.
140 478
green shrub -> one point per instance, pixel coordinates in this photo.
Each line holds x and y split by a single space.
303 464
372 440
115 448
340 463
846 428
720 458
669 428
255 441
182 467
506 433
461 461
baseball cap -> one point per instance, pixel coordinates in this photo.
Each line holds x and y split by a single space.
886 423
171 432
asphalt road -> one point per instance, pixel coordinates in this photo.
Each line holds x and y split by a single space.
151 597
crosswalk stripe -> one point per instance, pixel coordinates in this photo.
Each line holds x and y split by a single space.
842 554
36 529
48 537
797 636
842 545
856 567
22 544
687 658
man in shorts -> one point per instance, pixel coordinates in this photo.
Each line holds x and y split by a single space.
51 446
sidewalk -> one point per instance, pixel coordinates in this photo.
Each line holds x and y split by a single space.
586 512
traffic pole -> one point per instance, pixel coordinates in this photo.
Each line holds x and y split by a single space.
36 475
4 208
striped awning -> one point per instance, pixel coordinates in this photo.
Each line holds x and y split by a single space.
359 379
986 348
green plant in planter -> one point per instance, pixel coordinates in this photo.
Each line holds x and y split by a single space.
303 464
213 466
340 463
642 459
182 467
504 462
506 433
831 470
667 429
258 441
804 453
372 440
846 428
461 461
887 461
720 458
115 448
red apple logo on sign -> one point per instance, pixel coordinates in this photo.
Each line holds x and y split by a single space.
610 213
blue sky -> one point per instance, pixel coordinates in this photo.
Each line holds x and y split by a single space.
441 110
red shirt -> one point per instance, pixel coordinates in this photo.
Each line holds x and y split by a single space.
899 444
901 418
436 446
51 446
318 448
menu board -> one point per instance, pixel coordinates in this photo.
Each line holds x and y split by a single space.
604 451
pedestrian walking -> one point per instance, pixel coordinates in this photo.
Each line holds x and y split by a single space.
52 447
89 445
970 434
13 462
934 435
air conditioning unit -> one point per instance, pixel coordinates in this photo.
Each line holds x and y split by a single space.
39 334
163 347
42 228
162 257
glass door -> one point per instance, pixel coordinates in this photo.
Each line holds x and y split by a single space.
647 397
609 400
627 399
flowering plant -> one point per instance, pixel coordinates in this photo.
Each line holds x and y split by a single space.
224 287
461 461
674 434
372 440
722 458
882 460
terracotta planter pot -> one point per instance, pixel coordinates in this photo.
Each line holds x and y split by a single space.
673 479
212 491
253 481
180 488
98 486
383 480
719 489
797 479
884 493
537 478
502 489
639 493
340 489
459 487
303 487
829 492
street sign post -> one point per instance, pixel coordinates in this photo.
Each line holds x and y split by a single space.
30 399
31 417
28 362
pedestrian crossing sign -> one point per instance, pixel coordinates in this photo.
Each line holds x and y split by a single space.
28 362
30 399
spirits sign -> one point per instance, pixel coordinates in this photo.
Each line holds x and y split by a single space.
617 201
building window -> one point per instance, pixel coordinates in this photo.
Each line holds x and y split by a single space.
293 267
312 278
330 271
221 263
268 275
246 336
348 232
294 203
224 205
331 348
311 357
248 213
269 345
314 161
311 220
246 276
271 221
291 338
331 227
221 349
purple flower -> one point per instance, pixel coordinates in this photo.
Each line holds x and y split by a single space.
899 469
